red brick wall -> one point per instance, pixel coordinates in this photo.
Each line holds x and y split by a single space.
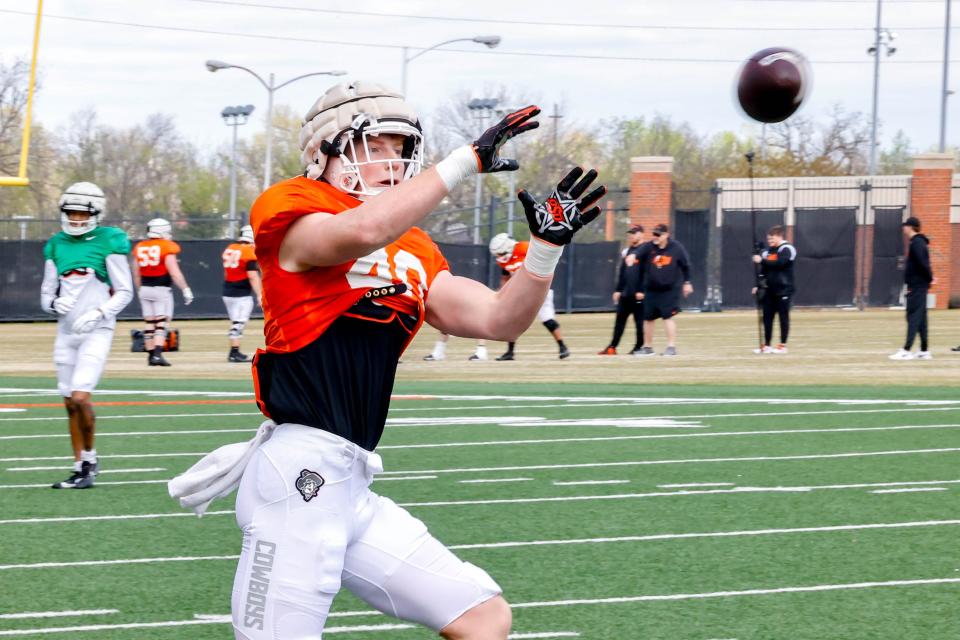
955 277
650 198
930 201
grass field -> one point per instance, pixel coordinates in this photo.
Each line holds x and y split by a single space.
765 507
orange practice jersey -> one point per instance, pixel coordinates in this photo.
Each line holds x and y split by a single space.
514 261
299 307
236 257
151 254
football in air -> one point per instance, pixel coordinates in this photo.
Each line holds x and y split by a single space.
773 83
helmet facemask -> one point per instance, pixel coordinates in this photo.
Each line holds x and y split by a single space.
78 227
354 143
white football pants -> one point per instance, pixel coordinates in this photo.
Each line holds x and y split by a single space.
80 358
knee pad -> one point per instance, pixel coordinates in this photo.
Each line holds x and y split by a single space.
236 329
551 325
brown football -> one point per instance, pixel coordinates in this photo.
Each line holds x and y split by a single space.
773 83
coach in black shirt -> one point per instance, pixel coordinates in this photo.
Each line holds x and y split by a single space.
625 295
776 268
918 276
664 276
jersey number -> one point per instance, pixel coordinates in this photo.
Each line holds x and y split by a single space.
148 256
379 268
231 259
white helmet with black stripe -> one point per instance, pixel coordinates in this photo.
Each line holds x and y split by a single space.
502 246
246 234
81 197
343 120
159 228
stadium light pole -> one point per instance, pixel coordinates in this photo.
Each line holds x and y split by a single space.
216 65
234 117
882 39
482 107
489 41
945 91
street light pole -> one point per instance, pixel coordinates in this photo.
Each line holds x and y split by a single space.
945 91
483 107
216 65
234 117
882 40
489 41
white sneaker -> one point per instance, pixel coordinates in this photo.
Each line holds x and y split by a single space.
902 354
764 349
924 355
434 357
780 348
479 354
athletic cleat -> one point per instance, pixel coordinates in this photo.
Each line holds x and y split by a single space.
475 357
507 356
903 354
643 352
764 349
82 479
669 352
956 348
609 351
780 348
236 356
564 352
923 355
432 358
157 361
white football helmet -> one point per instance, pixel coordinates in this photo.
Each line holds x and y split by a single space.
81 197
501 246
159 228
246 234
342 121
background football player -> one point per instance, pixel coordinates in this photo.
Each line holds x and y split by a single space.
155 266
510 256
241 288
347 281
86 283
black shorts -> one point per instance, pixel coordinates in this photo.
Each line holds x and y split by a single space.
661 304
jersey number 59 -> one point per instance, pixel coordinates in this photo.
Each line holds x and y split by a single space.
148 256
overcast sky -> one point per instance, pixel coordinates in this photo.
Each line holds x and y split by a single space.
127 72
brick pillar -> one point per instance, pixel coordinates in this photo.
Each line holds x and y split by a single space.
930 201
651 190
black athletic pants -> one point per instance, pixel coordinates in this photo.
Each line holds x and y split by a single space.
628 305
916 317
774 305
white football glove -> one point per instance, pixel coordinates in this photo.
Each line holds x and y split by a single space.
187 296
63 305
88 321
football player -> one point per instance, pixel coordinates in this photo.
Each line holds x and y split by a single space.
86 283
440 350
155 267
510 256
241 288
348 279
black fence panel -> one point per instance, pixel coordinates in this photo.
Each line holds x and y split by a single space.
22 265
589 276
737 271
691 228
886 278
471 261
826 240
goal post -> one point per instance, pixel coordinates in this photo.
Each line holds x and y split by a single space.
21 179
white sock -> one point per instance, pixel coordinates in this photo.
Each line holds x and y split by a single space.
439 349
481 352
78 465
88 456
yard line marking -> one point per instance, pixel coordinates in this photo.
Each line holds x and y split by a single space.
57 614
136 516
375 479
110 471
733 594
183 623
127 392
492 480
42 485
579 482
912 490
111 456
688 485
528 543
125 403
146 415
545 634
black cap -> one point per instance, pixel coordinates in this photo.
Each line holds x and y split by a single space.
912 222
636 228
661 228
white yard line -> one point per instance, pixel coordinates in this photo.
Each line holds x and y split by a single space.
405 478
493 480
911 490
689 485
573 483
530 605
57 614
109 471
112 456
545 634
42 485
532 543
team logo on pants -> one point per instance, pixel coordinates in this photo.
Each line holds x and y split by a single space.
308 484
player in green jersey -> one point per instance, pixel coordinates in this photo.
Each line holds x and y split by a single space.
86 283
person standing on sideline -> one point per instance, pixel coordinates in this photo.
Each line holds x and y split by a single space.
155 267
440 350
664 276
625 295
86 283
776 269
241 288
918 276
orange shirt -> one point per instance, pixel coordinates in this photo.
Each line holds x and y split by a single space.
151 254
236 257
514 261
299 307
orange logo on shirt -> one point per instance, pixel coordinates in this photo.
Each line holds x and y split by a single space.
660 261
